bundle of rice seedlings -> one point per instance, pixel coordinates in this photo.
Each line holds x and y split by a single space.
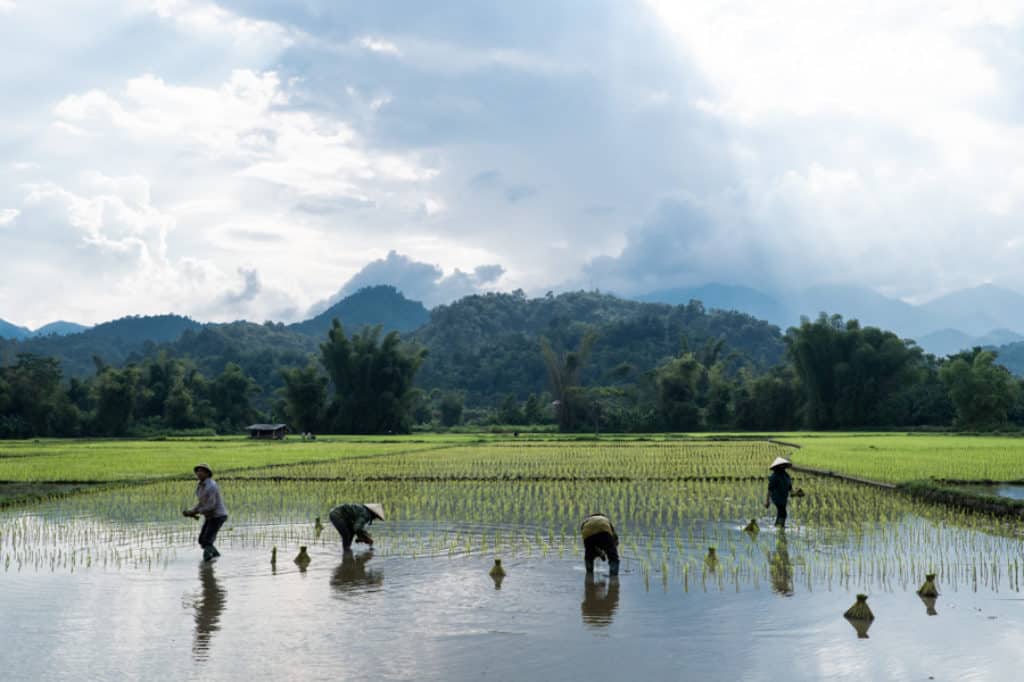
318 527
497 571
711 560
302 560
928 589
752 527
273 556
860 609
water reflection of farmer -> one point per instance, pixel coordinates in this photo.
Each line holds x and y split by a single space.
209 608
600 599
600 540
779 485
351 573
351 521
780 567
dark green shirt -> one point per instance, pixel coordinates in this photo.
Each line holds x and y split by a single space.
354 516
779 485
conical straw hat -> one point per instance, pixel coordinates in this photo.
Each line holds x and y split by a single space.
378 510
781 462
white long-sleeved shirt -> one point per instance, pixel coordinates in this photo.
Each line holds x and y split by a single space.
211 505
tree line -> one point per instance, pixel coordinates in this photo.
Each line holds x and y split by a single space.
834 374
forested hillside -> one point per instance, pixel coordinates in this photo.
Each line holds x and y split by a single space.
581 360
488 345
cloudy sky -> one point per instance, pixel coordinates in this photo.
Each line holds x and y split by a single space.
256 159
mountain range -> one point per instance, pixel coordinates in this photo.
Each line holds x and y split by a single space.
985 315
60 328
981 316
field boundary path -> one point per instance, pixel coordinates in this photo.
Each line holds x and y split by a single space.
844 477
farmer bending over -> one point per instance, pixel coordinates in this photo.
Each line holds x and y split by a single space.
211 506
351 521
779 485
600 540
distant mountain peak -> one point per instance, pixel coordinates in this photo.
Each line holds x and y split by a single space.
380 304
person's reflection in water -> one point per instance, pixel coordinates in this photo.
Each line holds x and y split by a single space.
209 608
351 574
600 599
780 567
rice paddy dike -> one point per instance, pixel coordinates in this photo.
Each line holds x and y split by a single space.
109 511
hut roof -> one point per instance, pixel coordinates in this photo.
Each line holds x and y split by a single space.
265 427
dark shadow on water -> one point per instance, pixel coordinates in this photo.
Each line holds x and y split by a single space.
351 575
600 600
209 608
861 626
929 605
780 567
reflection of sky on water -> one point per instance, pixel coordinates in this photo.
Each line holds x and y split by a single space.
442 617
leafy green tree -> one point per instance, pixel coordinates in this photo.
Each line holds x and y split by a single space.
372 379
230 396
564 370
179 407
678 382
533 410
982 391
452 404
848 373
509 412
33 401
305 397
116 399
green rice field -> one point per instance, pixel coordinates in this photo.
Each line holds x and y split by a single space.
108 516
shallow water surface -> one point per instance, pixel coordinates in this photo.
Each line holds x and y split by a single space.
363 616
110 586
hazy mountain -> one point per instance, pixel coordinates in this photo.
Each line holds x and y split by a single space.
984 315
726 297
60 328
869 307
950 341
980 309
383 305
13 331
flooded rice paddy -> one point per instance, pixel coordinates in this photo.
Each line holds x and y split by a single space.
109 585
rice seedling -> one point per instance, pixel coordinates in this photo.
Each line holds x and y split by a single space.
860 609
671 501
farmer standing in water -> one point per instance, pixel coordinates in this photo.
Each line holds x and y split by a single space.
351 521
779 485
600 540
211 506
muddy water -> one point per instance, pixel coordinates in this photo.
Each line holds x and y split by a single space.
391 617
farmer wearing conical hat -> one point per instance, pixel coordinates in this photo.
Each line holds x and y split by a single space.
351 521
600 540
779 485
211 506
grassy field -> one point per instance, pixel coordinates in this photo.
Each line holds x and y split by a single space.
897 458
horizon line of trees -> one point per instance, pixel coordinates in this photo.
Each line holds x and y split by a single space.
835 375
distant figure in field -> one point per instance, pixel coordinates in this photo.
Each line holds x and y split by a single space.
779 485
351 521
211 506
600 540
